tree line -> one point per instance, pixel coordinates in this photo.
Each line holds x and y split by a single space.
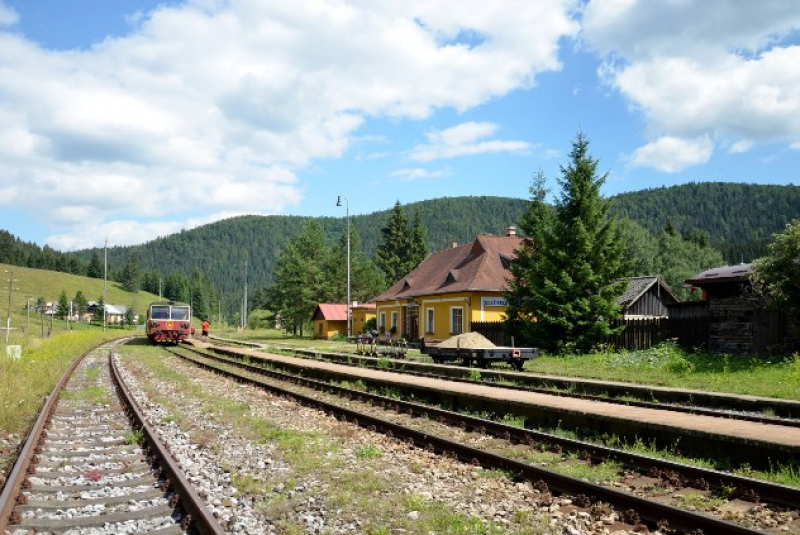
312 269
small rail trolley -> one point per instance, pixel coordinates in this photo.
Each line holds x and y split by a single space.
482 357
168 322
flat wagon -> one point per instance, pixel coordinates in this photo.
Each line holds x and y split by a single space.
481 357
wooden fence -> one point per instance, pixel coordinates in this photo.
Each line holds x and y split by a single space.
689 331
493 330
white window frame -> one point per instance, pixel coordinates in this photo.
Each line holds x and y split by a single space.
452 320
430 318
394 320
382 322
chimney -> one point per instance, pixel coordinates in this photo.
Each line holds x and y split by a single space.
455 244
511 230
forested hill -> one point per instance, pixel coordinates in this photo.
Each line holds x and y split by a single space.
220 249
738 219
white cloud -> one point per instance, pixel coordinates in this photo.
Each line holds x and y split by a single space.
218 105
419 173
670 154
462 140
8 17
716 69
741 146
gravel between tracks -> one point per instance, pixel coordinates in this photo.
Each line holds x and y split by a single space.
211 451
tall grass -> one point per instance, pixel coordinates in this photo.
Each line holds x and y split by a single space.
26 382
668 365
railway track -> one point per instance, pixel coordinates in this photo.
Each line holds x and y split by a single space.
91 464
649 482
746 408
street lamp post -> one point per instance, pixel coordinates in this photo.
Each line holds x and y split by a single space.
347 213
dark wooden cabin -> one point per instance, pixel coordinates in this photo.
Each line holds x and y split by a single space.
647 297
739 322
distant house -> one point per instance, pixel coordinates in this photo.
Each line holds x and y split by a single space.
114 313
647 297
330 319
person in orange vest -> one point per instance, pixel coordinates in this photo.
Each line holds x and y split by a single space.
206 326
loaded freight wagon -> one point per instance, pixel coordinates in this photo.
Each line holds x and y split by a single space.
472 348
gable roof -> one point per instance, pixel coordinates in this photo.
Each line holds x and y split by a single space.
638 286
330 312
478 266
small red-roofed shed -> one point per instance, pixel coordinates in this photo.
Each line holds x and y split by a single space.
330 319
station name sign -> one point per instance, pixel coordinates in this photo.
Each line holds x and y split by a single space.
493 302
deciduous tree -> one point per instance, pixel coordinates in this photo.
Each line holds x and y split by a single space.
777 275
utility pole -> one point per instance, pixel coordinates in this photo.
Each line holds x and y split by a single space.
105 279
11 281
349 303
244 304
28 322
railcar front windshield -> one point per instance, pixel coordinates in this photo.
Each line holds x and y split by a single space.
159 312
180 313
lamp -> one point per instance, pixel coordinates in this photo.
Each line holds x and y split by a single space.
347 212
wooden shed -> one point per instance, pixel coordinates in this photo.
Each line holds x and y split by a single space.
647 297
739 322
330 319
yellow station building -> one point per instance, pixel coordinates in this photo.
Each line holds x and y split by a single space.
449 290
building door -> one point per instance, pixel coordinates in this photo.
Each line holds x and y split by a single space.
411 323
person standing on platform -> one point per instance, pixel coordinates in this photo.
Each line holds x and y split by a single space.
205 327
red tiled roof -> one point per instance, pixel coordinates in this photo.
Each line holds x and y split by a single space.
331 312
478 266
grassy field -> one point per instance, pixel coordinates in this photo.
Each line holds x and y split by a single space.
29 284
663 365
25 382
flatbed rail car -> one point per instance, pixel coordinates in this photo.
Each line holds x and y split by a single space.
482 357
168 322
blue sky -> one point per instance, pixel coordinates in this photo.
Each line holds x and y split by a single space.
132 119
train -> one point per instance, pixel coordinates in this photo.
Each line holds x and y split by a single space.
168 322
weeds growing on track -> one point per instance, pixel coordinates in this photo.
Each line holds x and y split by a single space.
24 383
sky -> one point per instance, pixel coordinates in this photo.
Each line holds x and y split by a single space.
126 120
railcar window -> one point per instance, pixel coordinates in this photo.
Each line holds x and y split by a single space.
180 313
160 313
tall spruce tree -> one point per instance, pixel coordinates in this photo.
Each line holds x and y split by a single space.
63 305
418 244
392 254
571 288
95 269
130 274
522 303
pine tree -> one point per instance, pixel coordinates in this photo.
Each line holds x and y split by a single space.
572 287
95 269
392 254
80 304
130 274
418 247
301 278
63 305
534 224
